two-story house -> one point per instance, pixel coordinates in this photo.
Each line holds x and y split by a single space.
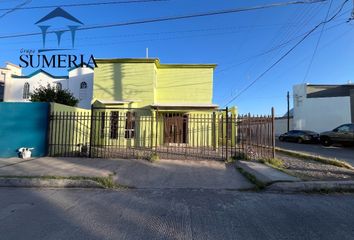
142 102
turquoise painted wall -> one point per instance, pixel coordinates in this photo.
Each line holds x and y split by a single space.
23 125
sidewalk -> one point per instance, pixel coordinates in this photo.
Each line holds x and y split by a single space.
134 173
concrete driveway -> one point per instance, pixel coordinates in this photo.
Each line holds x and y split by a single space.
338 152
134 173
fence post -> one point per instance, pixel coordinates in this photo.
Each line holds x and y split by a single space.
214 131
91 133
49 130
273 133
157 125
227 133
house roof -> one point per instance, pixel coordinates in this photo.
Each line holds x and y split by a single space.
329 85
156 61
40 71
14 65
184 105
85 64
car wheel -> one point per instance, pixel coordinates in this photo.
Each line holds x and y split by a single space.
326 142
281 139
300 140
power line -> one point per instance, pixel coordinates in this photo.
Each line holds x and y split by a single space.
317 44
287 53
280 46
286 71
84 4
17 7
164 19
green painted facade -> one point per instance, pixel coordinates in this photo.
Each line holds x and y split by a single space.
147 82
142 86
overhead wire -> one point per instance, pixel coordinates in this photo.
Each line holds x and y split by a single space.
286 54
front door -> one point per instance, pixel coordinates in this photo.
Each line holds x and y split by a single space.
175 128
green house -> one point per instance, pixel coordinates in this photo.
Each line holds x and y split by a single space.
142 103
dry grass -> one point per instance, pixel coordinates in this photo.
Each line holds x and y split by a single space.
329 161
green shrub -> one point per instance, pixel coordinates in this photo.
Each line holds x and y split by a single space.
275 162
154 157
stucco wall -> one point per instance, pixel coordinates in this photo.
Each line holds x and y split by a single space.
125 81
23 125
185 85
147 83
319 114
76 77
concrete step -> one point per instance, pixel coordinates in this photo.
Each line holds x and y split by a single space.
265 174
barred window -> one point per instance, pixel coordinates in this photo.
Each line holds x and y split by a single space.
26 91
130 125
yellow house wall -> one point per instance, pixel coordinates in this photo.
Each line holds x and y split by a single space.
69 129
125 81
184 85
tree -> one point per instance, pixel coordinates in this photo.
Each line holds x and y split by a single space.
52 94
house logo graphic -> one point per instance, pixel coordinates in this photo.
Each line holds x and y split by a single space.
42 58
58 13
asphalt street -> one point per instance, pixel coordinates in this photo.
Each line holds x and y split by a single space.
172 214
338 152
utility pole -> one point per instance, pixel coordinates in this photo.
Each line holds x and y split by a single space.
352 14
288 100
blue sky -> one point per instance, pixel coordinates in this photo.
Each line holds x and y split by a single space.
233 41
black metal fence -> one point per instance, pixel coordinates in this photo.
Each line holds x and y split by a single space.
133 133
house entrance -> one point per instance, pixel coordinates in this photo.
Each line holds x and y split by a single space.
175 128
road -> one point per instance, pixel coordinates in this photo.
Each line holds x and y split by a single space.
172 214
340 153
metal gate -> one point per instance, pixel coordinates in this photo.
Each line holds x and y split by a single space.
137 133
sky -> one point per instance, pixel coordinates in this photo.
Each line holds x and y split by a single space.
243 45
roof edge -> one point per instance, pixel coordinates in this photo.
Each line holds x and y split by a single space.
156 61
40 71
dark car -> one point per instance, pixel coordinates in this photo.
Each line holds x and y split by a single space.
300 136
344 134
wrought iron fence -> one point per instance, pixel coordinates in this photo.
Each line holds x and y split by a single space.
133 133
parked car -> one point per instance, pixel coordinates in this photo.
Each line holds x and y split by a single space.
343 134
300 136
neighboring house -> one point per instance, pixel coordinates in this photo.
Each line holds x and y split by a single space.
322 107
79 81
5 76
140 99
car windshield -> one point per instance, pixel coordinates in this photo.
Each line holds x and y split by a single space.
344 128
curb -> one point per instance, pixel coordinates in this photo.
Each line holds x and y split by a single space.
313 186
265 175
48 183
